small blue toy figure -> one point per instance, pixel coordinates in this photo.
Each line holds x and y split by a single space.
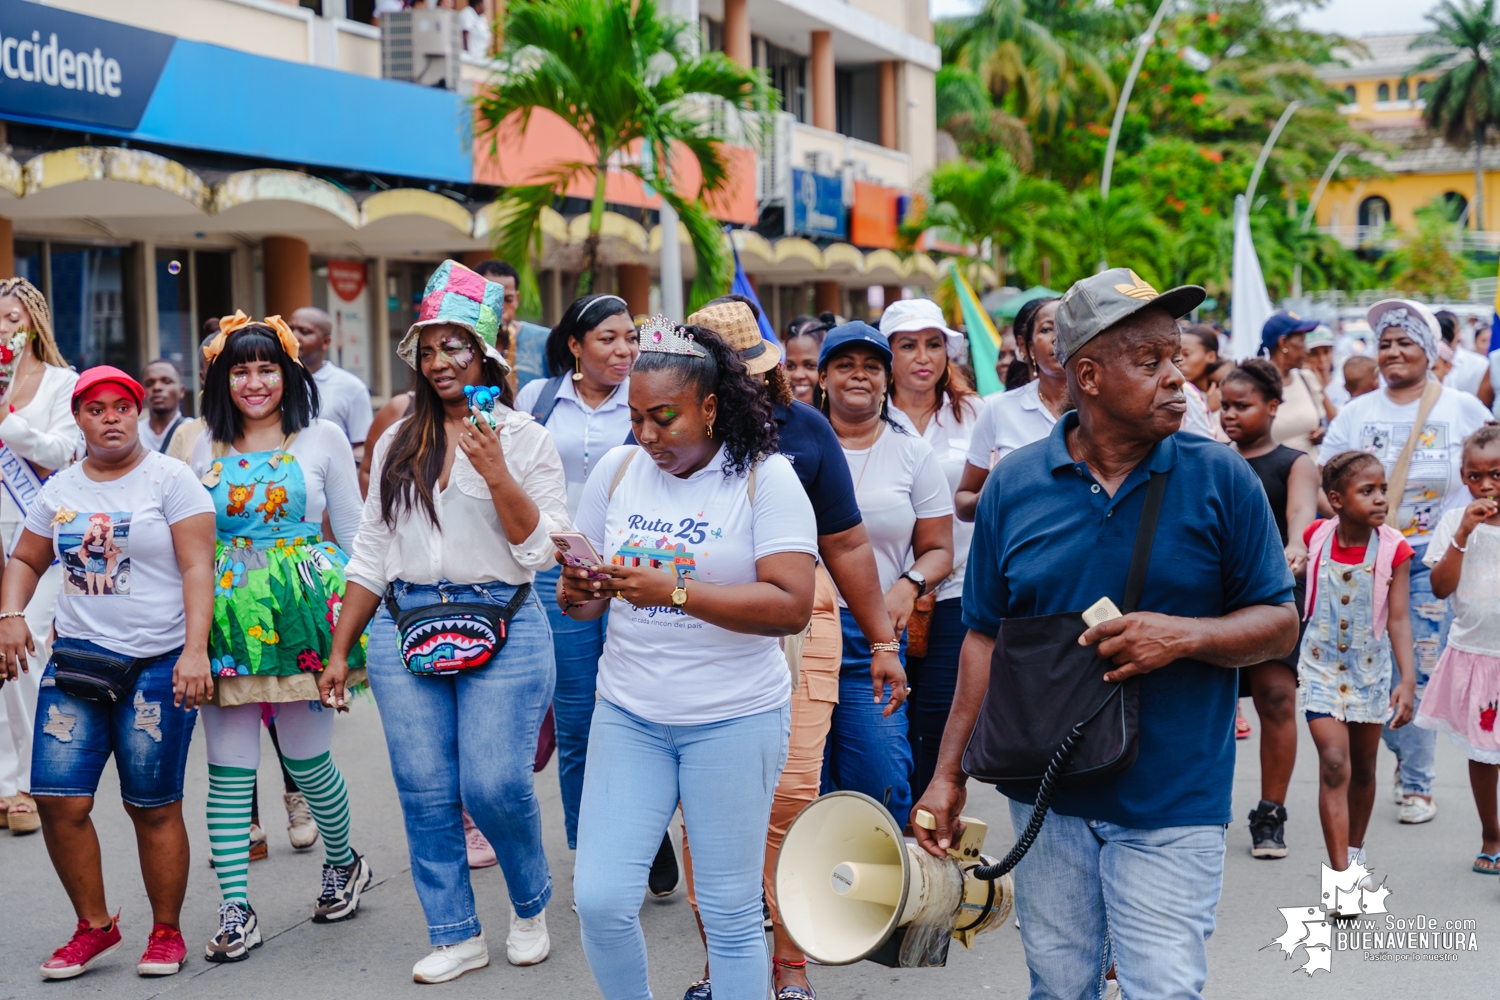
483 398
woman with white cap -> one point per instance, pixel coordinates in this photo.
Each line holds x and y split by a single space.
1424 481
1303 417
932 399
456 526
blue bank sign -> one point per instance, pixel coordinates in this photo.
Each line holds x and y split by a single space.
818 204
58 65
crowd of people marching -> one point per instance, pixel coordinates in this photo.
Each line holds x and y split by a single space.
797 588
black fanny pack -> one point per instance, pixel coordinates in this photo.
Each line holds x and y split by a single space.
1049 715
452 637
87 670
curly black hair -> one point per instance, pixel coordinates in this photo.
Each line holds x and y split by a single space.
1261 375
1481 439
256 342
744 421
1343 466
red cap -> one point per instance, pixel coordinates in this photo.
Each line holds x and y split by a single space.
108 373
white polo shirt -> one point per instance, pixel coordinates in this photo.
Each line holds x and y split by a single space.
344 400
1009 421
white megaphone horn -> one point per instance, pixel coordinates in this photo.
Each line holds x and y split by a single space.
849 887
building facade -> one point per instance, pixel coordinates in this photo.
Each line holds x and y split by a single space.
166 161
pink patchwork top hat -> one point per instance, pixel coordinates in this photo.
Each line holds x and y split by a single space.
463 298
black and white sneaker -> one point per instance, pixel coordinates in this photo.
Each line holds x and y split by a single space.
342 885
665 876
1268 830
239 931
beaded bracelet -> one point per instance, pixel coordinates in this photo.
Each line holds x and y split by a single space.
11 614
885 647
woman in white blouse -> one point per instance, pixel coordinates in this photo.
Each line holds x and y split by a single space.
907 505
39 436
931 398
585 407
459 511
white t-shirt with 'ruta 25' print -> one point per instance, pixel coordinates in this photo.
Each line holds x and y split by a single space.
121 585
663 664
897 481
1374 424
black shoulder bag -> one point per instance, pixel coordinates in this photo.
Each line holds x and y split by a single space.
1049 715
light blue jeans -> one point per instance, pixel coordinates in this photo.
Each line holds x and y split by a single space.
1416 748
866 750
724 774
1090 894
576 646
467 740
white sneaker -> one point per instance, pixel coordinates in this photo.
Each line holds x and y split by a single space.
452 960
300 827
1415 809
528 943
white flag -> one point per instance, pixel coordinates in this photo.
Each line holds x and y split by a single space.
1249 303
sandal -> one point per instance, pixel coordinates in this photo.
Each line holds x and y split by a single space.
22 815
1241 728
1487 864
790 992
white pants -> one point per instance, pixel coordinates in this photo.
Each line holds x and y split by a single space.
18 697
304 728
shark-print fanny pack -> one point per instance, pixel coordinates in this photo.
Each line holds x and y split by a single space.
450 637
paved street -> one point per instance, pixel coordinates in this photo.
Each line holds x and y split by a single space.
1427 870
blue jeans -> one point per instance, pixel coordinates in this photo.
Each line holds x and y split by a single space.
933 679
1416 748
725 774
577 647
1091 894
467 740
867 752
147 734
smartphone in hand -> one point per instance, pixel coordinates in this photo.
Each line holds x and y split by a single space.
578 552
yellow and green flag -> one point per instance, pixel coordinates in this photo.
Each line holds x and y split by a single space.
984 339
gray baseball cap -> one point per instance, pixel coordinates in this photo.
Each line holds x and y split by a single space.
1101 300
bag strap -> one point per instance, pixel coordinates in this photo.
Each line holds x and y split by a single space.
166 442
620 473
547 400
1145 535
750 485
506 613
220 449
1396 486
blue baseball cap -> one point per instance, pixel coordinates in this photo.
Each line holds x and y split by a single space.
850 334
1284 324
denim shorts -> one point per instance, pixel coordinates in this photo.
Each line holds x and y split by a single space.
147 734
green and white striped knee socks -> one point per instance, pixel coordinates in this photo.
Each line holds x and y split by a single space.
328 799
230 790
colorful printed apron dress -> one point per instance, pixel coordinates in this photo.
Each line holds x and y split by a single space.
278 586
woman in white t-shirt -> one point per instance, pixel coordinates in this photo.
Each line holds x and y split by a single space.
907 505
1379 422
39 434
149 607
932 399
708 541
1016 418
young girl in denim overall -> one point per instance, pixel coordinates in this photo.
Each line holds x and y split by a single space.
1356 611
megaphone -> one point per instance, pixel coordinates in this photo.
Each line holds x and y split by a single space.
849 887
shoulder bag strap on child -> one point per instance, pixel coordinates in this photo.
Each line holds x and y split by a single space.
1396 487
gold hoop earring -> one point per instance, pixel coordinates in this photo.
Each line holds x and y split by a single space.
710 430
577 370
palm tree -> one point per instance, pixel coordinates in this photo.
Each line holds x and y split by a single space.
994 201
1464 103
1119 229
630 82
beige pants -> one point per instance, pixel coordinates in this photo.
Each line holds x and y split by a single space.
812 711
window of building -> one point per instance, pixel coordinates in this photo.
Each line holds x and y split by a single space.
1457 207
1349 95
713 34
1383 92
1403 91
1422 87
1374 213
91 290
857 102
788 74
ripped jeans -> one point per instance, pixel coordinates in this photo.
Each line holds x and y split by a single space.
147 734
1415 747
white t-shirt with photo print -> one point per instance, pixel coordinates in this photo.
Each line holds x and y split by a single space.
1375 424
121 585
663 664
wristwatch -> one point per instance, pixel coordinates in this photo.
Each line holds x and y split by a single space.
916 578
679 596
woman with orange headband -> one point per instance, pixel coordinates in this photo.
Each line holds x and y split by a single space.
37 436
272 469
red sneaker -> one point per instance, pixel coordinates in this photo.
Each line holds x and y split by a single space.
165 951
89 943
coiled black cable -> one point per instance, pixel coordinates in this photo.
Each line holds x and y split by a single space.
989 873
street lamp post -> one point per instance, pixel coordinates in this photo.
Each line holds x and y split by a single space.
1141 46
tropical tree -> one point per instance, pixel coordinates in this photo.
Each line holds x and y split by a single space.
631 83
1464 102
1424 262
1120 229
994 202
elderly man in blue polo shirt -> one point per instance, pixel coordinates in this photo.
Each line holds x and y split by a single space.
1127 870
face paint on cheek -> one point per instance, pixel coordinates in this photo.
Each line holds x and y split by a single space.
272 379
457 353
238 381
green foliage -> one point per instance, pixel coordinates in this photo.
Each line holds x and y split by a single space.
1425 263
995 201
628 80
